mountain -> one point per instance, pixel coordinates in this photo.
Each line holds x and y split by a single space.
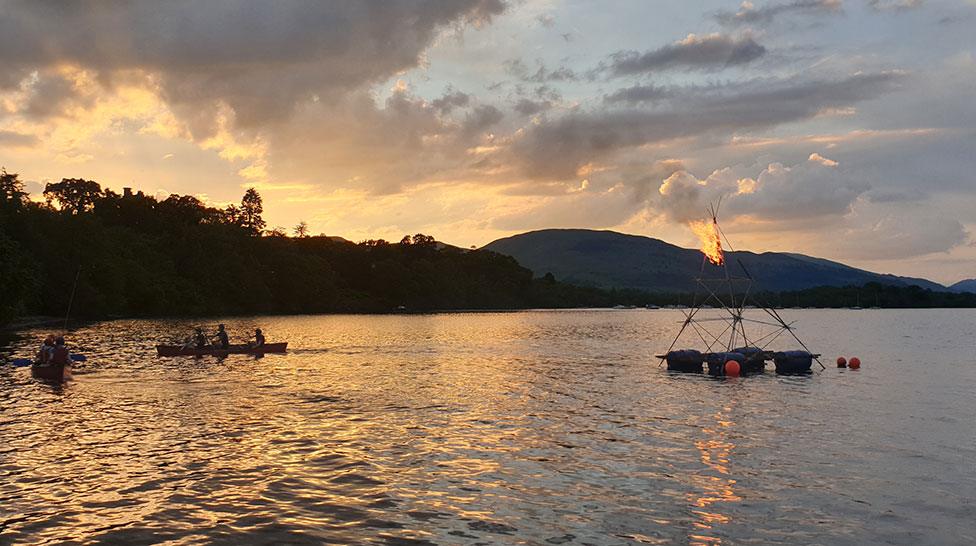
615 260
968 285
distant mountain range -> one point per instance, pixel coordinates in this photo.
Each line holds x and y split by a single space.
609 259
968 285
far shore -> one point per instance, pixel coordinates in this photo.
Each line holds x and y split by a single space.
29 322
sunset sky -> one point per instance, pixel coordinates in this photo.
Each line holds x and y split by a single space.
836 128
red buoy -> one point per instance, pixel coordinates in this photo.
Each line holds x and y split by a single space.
841 362
732 369
855 363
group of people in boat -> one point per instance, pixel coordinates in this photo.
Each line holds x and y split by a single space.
220 339
53 352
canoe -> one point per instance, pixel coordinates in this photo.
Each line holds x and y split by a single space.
179 350
51 373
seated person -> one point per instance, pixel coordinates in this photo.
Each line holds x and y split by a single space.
222 340
60 355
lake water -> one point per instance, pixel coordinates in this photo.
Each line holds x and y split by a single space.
548 427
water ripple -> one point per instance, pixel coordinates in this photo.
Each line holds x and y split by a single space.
512 428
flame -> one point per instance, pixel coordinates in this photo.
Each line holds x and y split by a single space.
711 243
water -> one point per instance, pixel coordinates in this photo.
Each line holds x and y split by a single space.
502 428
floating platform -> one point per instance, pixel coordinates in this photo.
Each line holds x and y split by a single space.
752 360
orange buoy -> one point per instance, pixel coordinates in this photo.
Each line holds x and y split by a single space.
732 368
841 362
855 363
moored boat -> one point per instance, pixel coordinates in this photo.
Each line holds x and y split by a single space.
179 350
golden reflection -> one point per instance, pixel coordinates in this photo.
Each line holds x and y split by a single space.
714 486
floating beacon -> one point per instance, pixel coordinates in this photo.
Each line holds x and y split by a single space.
727 346
841 362
855 363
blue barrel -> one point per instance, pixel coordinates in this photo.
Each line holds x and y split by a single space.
755 359
685 360
793 362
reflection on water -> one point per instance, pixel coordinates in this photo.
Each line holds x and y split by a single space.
519 428
716 486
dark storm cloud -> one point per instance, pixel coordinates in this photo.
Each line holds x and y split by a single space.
749 15
261 58
711 52
14 139
558 148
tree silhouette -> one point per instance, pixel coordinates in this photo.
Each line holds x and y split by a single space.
250 212
11 189
301 230
74 195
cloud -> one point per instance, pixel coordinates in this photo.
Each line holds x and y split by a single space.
481 119
748 14
13 139
261 59
546 20
639 94
518 69
529 107
888 5
817 158
450 100
558 148
805 196
896 235
52 93
708 52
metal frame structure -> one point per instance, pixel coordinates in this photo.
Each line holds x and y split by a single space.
734 334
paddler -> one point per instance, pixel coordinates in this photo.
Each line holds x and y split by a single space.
60 355
199 339
222 341
258 338
44 355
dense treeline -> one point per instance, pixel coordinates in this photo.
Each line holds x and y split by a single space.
871 294
135 255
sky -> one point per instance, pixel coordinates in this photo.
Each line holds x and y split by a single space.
842 129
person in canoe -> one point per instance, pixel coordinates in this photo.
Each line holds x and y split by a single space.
60 355
258 339
47 349
221 336
199 339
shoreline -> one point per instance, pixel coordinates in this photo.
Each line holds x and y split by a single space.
29 322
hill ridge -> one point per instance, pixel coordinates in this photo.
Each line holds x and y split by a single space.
610 259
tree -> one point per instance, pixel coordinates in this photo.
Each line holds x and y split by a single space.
11 189
301 230
250 212
424 240
74 195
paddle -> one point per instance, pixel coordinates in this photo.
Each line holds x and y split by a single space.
22 362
